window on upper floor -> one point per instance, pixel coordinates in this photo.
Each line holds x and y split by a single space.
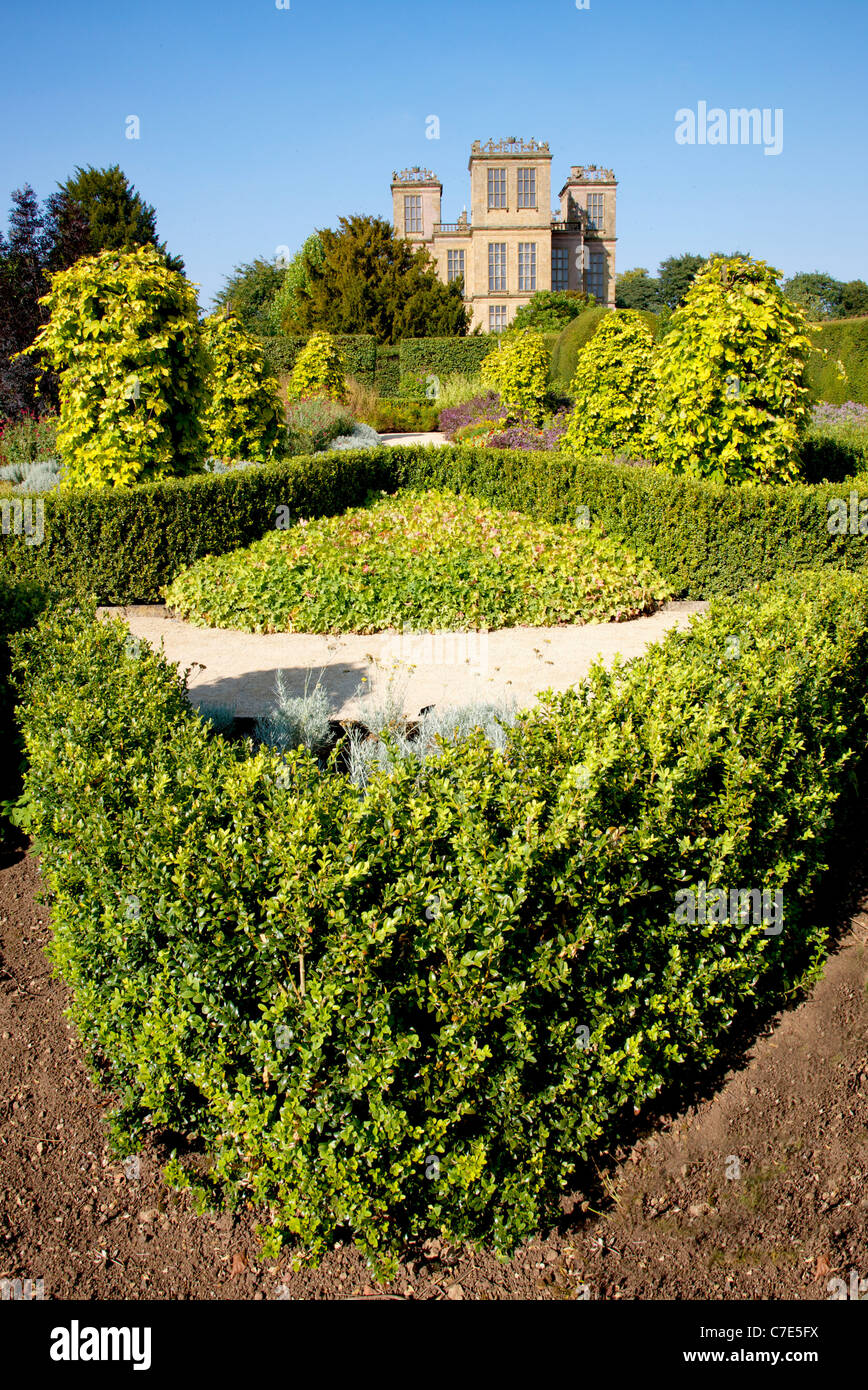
496 265
412 212
454 264
497 188
527 188
560 268
596 204
597 275
527 266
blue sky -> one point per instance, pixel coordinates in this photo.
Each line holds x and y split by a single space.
258 124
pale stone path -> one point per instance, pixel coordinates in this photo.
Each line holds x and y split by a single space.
238 669
429 437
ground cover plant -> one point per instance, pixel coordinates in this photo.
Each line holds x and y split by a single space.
431 559
412 1008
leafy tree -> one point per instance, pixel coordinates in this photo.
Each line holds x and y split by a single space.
24 255
732 399
249 292
123 332
372 281
242 414
282 313
636 289
676 276
518 369
818 294
550 310
99 210
613 388
318 370
854 298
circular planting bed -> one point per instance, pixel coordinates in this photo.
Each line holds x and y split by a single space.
421 560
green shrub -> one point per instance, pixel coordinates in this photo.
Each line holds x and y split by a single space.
388 369
837 368
29 439
732 400
704 538
518 369
402 416
551 310
124 335
312 424
424 559
358 350
571 341
386 1018
318 370
242 415
614 389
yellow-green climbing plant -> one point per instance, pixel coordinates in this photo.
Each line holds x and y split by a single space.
123 333
613 388
242 415
733 403
518 369
318 369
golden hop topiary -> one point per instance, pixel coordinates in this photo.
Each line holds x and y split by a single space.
613 388
318 370
733 403
518 369
242 415
123 333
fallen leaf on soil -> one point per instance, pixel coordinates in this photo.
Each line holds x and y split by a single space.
822 1267
239 1264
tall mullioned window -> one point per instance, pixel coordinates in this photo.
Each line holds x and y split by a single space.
496 266
597 275
496 318
527 188
412 212
454 264
527 265
560 268
595 210
497 188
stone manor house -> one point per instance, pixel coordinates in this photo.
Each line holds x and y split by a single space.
513 243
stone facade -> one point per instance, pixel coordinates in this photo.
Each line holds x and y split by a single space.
512 243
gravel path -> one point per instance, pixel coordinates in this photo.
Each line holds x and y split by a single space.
238 669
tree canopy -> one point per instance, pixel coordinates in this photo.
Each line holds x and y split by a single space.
373 281
249 293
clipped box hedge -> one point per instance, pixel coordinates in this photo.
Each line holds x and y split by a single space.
415 1010
705 538
441 357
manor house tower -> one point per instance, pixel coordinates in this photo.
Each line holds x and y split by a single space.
513 244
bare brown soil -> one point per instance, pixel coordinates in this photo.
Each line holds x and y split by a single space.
757 1190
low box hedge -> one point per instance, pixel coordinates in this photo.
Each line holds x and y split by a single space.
705 538
415 1010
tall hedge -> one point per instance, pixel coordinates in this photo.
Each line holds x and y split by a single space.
441 357
414 1010
837 368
